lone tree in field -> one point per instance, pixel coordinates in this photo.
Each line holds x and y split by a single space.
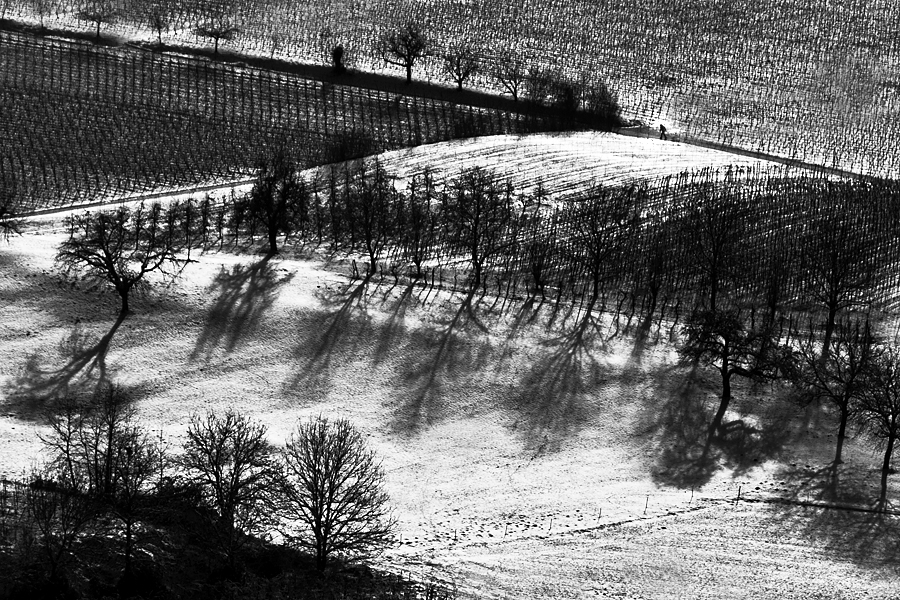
722 340
334 499
403 47
98 12
880 406
42 9
122 247
217 29
839 377
460 64
230 458
278 199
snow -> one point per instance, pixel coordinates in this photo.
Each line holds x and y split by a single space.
503 477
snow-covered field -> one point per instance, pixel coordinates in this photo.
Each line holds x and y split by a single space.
520 465
563 163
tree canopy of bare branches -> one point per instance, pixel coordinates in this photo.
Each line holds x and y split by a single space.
230 458
99 12
460 64
334 499
122 247
217 29
404 46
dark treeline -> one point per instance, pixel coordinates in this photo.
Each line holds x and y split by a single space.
114 513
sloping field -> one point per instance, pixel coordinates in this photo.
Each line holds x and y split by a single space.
521 464
817 82
81 123
567 163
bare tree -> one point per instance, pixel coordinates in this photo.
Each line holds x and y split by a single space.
404 46
99 12
603 225
480 213
334 498
158 22
880 406
122 247
371 200
713 223
278 199
418 229
460 64
60 514
722 340
840 377
97 448
230 458
512 74
840 264
42 9
217 29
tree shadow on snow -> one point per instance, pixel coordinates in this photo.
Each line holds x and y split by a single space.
836 508
677 418
243 295
554 398
346 319
37 388
439 362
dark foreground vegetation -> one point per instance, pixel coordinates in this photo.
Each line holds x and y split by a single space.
115 514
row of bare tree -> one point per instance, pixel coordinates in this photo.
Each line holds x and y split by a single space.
108 478
403 46
757 277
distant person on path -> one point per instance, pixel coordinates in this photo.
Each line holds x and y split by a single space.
662 132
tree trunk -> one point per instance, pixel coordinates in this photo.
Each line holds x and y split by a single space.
845 413
123 294
886 467
408 73
273 240
216 47
720 414
98 30
829 332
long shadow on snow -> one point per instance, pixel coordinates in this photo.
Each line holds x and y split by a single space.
438 365
677 418
346 319
555 399
854 525
38 388
243 295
